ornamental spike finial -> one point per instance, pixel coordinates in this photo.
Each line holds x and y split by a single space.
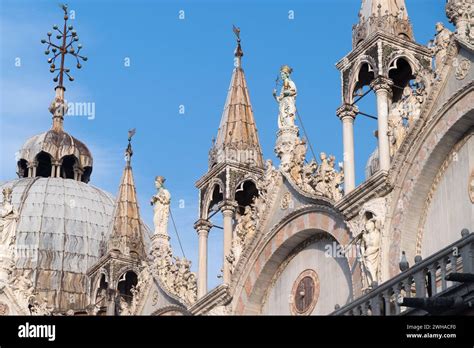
67 45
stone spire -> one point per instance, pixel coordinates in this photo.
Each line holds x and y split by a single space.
381 7
389 16
126 235
237 138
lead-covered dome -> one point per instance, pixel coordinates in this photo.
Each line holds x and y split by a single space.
61 232
55 153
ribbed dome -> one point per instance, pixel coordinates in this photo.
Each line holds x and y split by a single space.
373 164
58 144
62 226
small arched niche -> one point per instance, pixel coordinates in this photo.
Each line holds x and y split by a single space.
245 193
44 165
86 176
364 78
101 292
400 72
125 285
22 165
216 197
68 166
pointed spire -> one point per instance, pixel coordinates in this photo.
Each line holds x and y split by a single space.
388 16
379 8
237 137
127 235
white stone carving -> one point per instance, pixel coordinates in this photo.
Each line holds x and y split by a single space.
441 43
8 222
370 224
27 298
405 113
286 99
174 273
161 202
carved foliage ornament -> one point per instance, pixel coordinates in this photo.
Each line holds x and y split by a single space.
462 68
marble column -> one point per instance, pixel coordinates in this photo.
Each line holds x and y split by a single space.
228 209
58 169
202 227
34 165
383 90
347 114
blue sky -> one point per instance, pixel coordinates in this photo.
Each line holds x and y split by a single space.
181 62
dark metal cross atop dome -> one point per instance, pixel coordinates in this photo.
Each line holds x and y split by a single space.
68 38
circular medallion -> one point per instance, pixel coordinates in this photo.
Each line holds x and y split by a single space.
305 293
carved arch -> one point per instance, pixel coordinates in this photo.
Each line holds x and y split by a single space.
271 251
430 144
354 75
208 196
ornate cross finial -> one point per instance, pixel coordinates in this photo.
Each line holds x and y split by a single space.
68 37
238 51
129 151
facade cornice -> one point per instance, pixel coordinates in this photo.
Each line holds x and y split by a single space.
376 186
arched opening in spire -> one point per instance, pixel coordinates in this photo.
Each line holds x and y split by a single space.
364 77
217 197
44 165
400 72
101 293
245 193
68 167
22 165
125 285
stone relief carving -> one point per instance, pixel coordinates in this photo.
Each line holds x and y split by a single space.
174 273
462 69
8 221
27 298
286 201
322 179
245 230
404 113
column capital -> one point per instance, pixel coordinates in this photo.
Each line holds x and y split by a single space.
228 207
382 83
347 110
202 225
32 164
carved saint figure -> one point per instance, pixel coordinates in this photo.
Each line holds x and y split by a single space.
286 99
8 220
370 249
161 201
441 43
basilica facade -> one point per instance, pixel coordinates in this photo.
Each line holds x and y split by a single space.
300 238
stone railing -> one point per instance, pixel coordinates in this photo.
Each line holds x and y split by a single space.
426 279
